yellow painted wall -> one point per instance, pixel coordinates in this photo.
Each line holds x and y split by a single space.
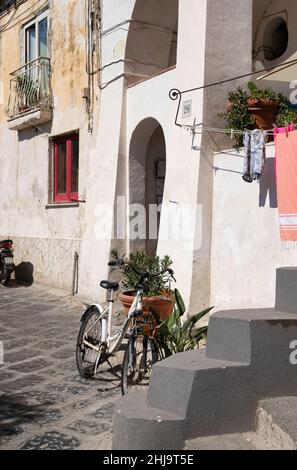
67 33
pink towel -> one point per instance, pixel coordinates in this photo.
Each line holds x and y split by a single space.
281 130
286 177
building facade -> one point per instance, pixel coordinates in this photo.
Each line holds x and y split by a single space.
90 145
48 106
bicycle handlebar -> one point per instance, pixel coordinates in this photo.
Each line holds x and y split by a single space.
143 275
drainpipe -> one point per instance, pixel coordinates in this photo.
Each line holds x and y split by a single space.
75 274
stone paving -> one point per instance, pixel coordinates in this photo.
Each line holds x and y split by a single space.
44 404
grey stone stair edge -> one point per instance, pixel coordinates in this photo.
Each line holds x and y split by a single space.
184 371
142 427
233 334
276 421
286 290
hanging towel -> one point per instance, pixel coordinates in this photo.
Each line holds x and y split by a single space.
281 130
254 159
286 177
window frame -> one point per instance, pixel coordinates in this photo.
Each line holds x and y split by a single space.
68 196
26 26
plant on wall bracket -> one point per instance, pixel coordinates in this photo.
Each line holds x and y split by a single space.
256 108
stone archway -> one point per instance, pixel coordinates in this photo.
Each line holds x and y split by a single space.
147 173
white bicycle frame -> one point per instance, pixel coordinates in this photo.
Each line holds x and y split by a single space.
112 343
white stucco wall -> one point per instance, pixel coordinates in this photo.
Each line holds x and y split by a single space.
182 164
147 99
103 161
246 245
181 184
227 54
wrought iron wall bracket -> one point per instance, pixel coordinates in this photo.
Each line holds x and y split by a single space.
174 95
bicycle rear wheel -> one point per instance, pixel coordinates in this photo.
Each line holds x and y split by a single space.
89 335
140 355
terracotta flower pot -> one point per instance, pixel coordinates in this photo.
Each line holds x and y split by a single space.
161 305
229 106
264 112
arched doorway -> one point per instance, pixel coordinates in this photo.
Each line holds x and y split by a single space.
147 173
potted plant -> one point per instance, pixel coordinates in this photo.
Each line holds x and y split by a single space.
176 335
158 295
257 109
263 106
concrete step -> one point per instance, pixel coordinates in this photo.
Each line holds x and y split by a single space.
244 441
138 426
184 400
178 380
247 335
277 422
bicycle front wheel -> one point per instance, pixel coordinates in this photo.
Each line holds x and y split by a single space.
140 355
88 342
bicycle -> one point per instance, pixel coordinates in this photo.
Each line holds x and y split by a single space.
96 345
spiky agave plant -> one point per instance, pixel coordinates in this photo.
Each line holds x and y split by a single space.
175 335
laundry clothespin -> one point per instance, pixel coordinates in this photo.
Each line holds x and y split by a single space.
232 134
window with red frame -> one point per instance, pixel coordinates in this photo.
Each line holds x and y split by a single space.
66 168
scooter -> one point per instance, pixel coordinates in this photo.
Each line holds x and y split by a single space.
7 265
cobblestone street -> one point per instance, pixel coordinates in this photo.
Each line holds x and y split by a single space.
44 404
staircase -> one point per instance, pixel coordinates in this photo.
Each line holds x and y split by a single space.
239 385
276 429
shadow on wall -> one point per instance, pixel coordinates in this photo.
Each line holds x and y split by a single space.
23 275
268 185
32 132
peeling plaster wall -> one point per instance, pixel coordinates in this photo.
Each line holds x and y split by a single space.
52 259
46 237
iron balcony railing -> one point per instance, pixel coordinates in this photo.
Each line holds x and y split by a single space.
30 88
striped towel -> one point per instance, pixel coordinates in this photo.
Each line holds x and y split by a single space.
286 177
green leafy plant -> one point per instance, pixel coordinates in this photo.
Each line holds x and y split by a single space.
175 335
286 116
143 262
238 116
266 94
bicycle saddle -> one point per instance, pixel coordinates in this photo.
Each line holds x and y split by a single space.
109 285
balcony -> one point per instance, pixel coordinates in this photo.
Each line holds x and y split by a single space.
30 99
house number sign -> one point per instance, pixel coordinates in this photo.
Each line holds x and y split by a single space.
187 109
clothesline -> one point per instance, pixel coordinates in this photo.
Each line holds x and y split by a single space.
218 130
254 169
